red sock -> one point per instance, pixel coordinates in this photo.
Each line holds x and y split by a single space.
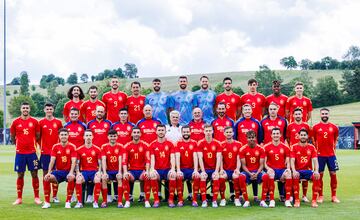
305 185
315 188
120 192
147 189
55 188
35 184
222 187
242 183
70 190
196 187
155 189
236 187
288 188
265 186
172 186
46 185
321 184
180 189
216 188
271 185
296 188
126 185
203 190
104 192
19 187
78 187
333 184
97 190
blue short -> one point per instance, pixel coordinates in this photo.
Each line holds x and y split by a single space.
136 174
88 175
209 173
229 174
23 160
187 173
258 179
305 174
331 163
112 174
60 175
163 173
45 161
278 173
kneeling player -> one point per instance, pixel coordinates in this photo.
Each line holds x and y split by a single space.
252 162
303 156
64 155
277 165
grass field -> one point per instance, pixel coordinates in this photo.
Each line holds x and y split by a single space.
348 193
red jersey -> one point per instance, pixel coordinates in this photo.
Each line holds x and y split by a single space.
136 156
89 158
233 104
292 131
63 156
252 156
257 103
49 134
114 102
209 151
325 137
76 132
304 103
135 108
219 125
244 125
88 110
68 106
267 125
303 156
123 131
100 131
276 155
279 100
186 150
162 152
229 153
25 134
197 130
112 154
148 129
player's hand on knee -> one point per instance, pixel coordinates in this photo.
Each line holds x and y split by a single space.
215 175
172 174
296 174
98 175
126 176
196 174
47 177
203 175
316 175
70 177
105 176
179 174
270 172
119 176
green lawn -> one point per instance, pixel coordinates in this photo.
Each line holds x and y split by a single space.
348 193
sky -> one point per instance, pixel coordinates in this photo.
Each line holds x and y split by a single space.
172 37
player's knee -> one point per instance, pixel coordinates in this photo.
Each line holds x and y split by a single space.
34 174
21 175
265 177
235 176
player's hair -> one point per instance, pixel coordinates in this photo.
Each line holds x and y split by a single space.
112 132
114 77
156 80
246 105
92 87
228 127
250 133
303 130
174 112
160 126
88 130
136 83
70 95
227 78
183 77
251 81
274 103
75 109
297 109
299 84
63 130
25 103
185 127
207 126
123 109
276 82
136 128
49 104
275 129
221 103
203 76
324 109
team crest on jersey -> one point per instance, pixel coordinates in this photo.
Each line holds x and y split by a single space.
128 128
213 148
281 102
227 123
79 129
279 123
120 99
308 152
166 148
304 103
106 125
253 125
257 153
31 124
93 153
281 151
331 129
67 151
140 149
155 125
258 100
235 149
55 125
116 151
141 102
233 100
191 147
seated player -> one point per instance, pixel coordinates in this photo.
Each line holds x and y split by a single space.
230 169
303 158
252 162
111 154
277 166
63 155
88 169
209 154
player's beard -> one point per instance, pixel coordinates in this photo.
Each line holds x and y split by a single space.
204 86
227 88
156 88
115 87
76 95
221 114
99 117
298 120
186 137
25 113
303 141
93 97
183 86
324 119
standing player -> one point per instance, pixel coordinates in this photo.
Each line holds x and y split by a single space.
206 99
277 97
49 136
148 125
277 166
273 120
135 103
88 108
230 169
100 127
162 165
159 101
88 169
114 100
173 131
63 155
231 99
123 127
24 132
76 96
325 138
292 131
247 123
221 122
255 99
299 101
183 101
209 154
76 128
197 125
303 159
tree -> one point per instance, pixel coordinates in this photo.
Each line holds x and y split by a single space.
326 92
15 104
84 78
24 83
51 89
195 88
305 64
130 70
46 79
119 73
15 92
33 88
39 101
72 79
93 78
2 118
238 90
146 91
353 53
350 84
329 63
60 107
8 93
219 88
288 88
265 76
289 62
15 81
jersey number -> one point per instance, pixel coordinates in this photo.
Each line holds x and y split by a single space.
113 159
89 159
